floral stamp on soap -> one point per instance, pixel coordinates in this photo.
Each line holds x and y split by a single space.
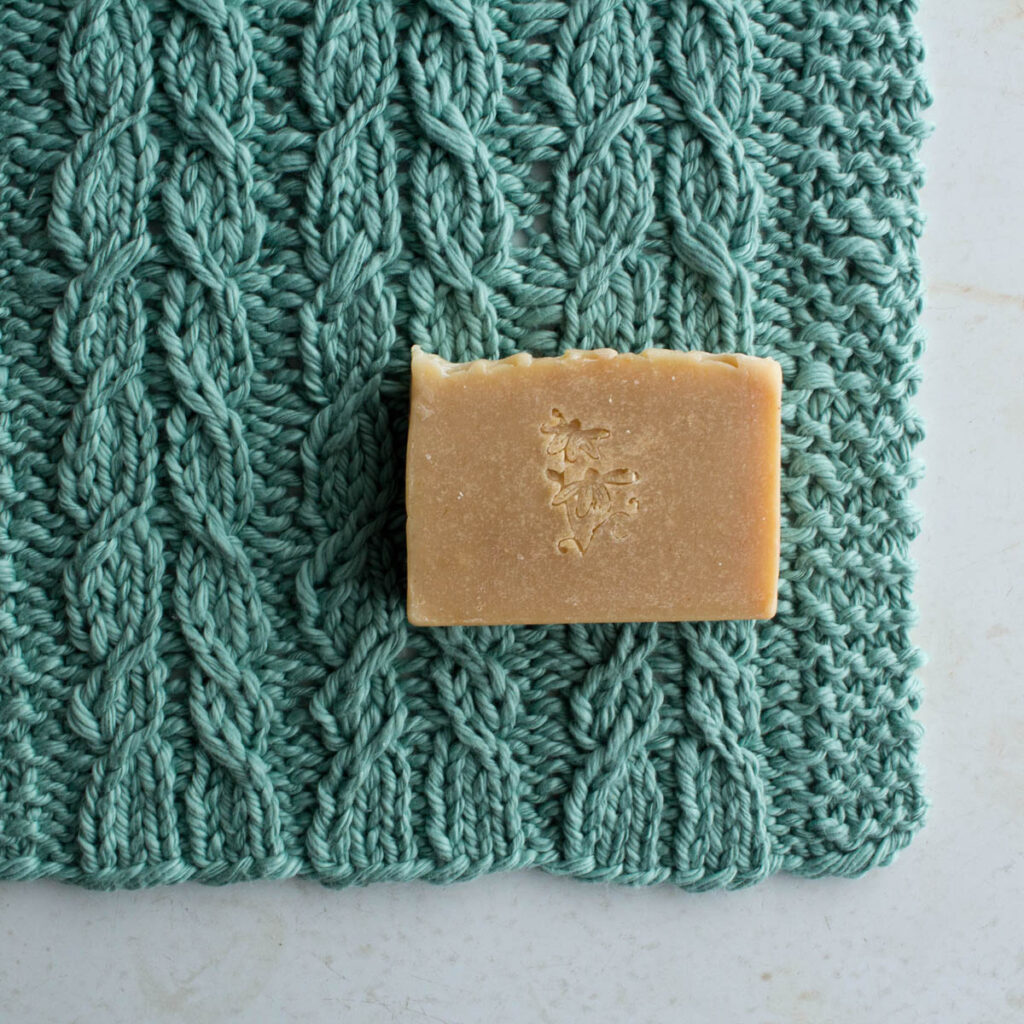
588 495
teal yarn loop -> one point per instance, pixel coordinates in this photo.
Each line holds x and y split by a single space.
223 224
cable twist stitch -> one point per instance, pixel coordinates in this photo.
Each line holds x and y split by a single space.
454 78
351 228
113 583
212 220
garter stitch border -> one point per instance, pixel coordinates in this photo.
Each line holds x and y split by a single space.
223 224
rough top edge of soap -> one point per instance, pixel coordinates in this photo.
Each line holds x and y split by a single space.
438 366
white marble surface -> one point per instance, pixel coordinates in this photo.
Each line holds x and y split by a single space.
935 937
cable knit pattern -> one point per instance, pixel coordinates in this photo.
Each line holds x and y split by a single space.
222 225
106 478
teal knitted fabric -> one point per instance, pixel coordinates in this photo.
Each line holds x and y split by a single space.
223 225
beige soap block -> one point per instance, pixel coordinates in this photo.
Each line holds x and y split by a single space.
593 487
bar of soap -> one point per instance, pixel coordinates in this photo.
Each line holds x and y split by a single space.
593 487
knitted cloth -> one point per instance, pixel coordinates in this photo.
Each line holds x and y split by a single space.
223 226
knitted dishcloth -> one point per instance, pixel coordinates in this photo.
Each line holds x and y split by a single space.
223 225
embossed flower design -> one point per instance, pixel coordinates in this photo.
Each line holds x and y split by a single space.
590 493
571 439
587 497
